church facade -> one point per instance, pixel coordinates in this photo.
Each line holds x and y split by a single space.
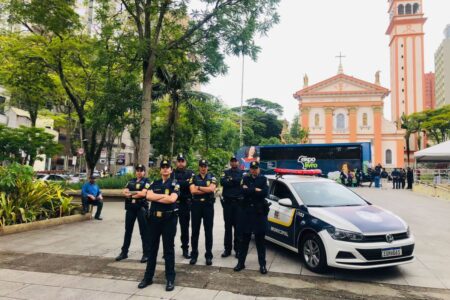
345 109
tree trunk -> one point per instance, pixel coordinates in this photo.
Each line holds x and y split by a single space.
407 147
172 123
146 126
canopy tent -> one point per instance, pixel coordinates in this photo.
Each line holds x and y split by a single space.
437 153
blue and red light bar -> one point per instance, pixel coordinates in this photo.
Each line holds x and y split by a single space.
311 172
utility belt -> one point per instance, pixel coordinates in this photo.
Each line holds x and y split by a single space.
259 206
183 200
161 214
208 199
232 199
135 200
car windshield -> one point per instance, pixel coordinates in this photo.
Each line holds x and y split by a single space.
326 194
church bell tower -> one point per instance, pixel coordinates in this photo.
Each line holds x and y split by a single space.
406 42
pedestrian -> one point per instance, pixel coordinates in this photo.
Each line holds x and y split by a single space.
377 175
232 195
91 195
403 178
370 174
358 177
409 178
395 178
183 176
162 218
253 216
343 178
135 208
202 186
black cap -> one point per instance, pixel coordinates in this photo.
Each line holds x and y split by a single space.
203 162
140 167
181 157
254 165
92 177
233 158
164 162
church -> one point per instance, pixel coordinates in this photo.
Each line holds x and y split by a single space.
345 109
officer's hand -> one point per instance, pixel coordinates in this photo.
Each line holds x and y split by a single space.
245 187
127 194
258 190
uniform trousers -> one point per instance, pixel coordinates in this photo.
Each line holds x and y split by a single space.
202 211
165 227
132 213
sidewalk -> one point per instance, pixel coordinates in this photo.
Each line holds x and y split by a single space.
36 285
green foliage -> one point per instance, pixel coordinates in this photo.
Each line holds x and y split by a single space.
23 200
116 182
297 134
31 140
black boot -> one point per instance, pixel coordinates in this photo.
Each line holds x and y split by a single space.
209 261
226 253
186 254
144 259
193 261
170 286
262 269
239 267
121 256
144 283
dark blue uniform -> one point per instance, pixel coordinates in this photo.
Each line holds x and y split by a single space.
162 221
183 178
136 209
202 208
253 216
232 194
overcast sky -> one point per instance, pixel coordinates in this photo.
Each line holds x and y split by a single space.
307 39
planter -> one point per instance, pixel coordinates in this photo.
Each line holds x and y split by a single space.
10 229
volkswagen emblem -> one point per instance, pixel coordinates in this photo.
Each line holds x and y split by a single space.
389 238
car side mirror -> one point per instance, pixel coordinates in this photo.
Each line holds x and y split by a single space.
285 202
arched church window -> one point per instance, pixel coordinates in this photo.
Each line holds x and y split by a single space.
364 119
340 121
416 8
316 120
401 9
388 157
408 9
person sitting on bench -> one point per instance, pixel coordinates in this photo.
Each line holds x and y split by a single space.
91 195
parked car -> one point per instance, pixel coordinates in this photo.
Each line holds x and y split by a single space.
330 225
51 177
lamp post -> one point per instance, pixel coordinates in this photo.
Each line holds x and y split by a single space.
241 134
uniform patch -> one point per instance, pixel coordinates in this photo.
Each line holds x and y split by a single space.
147 185
167 192
138 186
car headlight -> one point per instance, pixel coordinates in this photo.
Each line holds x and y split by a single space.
345 235
408 233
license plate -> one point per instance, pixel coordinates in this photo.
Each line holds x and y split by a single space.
391 252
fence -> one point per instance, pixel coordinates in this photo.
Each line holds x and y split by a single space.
432 176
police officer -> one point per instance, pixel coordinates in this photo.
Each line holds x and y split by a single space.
253 216
202 186
232 193
162 218
136 207
183 177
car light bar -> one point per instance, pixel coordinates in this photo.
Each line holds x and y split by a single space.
311 172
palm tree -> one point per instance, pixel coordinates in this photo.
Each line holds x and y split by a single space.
411 127
180 88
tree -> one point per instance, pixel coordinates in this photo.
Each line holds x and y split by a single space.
297 134
31 141
410 125
265 106
217 28
26 77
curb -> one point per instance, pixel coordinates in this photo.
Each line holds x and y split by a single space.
11 229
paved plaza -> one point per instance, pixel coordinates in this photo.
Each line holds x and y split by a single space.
77 259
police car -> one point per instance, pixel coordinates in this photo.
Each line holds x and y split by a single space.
330 225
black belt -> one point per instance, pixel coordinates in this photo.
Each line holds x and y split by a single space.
163 213
232 199
202 200
135 200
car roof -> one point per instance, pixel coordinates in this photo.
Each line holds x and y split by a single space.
300 178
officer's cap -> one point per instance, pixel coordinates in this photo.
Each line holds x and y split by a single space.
140 167
202 163
181 157
164 163
233 158
254 165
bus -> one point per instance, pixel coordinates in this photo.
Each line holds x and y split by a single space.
331 159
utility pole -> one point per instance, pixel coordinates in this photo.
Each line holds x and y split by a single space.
241 134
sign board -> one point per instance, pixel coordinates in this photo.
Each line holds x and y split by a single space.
120 159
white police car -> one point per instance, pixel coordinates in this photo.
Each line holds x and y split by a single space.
330 225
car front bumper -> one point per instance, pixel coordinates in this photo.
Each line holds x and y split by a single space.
349 255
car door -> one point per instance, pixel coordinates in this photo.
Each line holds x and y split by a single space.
281 218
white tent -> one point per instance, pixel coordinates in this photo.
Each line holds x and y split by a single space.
439 152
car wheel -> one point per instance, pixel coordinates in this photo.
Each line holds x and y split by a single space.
313 253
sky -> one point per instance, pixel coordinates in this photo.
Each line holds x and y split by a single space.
309 36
